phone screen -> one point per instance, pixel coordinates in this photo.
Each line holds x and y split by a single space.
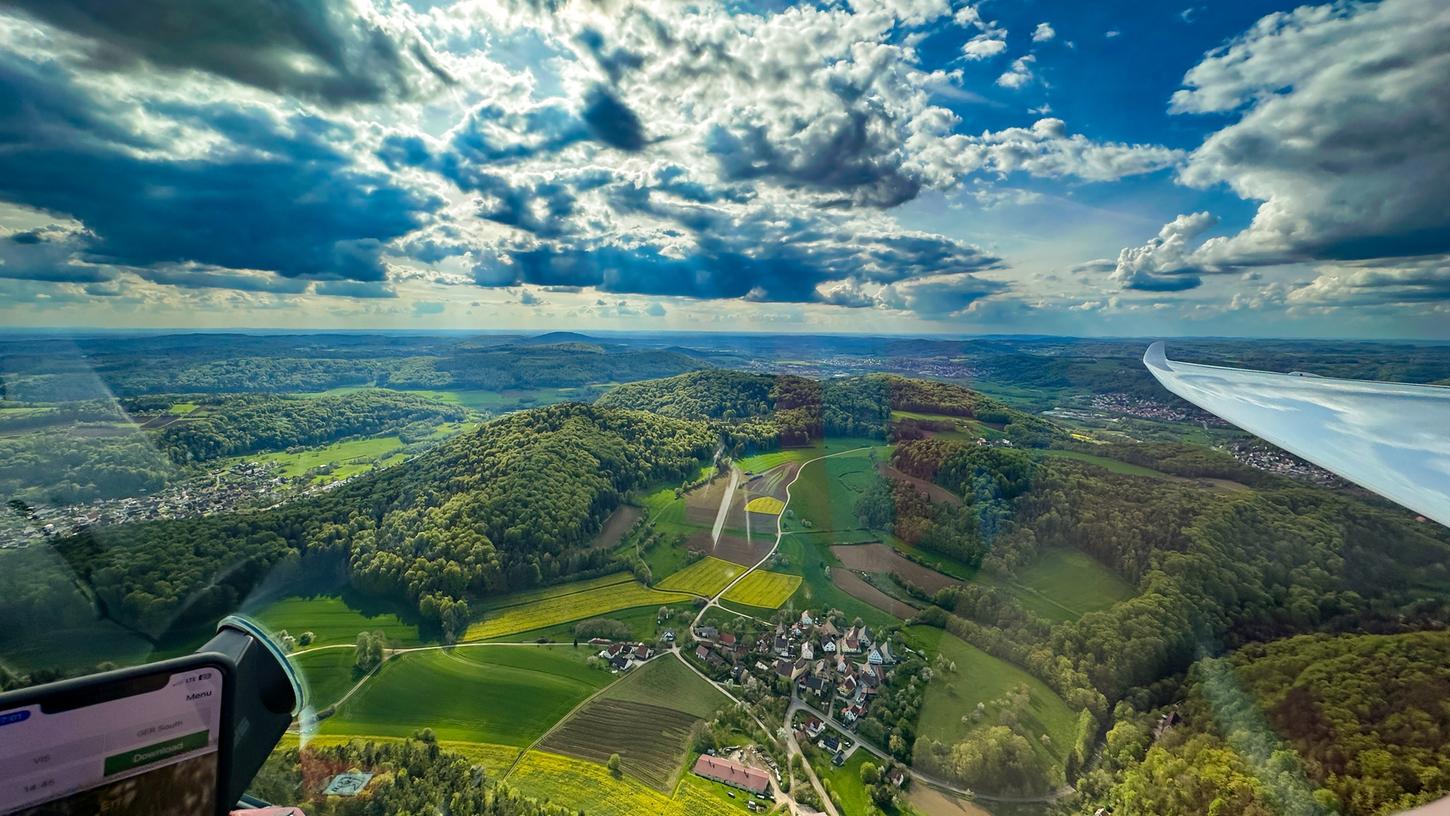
142 745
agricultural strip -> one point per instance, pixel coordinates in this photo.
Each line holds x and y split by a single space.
764 589
568 606
704 577
881 558
667 681
505 695
615 527
769 505
855 586
556 590
649 739
589 787
327 674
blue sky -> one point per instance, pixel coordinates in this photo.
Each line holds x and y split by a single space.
1113 168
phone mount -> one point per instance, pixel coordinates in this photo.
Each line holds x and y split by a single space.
266 696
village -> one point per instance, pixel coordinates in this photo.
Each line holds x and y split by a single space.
235 487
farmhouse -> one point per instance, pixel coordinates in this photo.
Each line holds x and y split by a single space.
732 773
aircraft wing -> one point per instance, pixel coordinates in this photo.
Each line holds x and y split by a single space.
1391 438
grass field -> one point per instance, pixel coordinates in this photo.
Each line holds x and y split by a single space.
567 605
826 491
764 589
704 577
589 787
501 695
765 504
331 620
346 458
1113 465
182 408
327 675
668 682
982 678
527 595
845 781
1065 584
761 462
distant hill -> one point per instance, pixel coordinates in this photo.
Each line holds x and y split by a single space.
558 338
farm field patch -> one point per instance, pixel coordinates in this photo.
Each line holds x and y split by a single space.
527 595
615 527
589 787
704 577
933 491
880 558
808 555
503 695
733 548
345 458
641 621
669 682
566 606
857 587
331 620
764 589
982 678
765 504
825 494
650 739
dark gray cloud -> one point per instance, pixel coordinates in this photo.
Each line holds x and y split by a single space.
202 278
47 254
321 50
283 198
611 121
355 289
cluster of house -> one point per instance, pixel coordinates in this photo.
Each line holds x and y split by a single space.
242 484
835 669
622 656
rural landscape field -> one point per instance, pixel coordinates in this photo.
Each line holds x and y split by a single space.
906 597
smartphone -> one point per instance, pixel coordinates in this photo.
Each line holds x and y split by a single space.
147 740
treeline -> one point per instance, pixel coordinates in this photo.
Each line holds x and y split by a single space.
65 466
761 411
1353 725
413 776
209 364
510 506
250 423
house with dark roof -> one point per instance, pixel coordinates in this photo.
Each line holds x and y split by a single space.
707 633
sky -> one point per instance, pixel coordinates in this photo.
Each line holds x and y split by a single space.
880 166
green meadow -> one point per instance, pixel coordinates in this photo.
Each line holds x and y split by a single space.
502 695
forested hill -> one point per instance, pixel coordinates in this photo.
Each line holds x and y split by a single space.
1365 716
249 423
790 410
502 508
